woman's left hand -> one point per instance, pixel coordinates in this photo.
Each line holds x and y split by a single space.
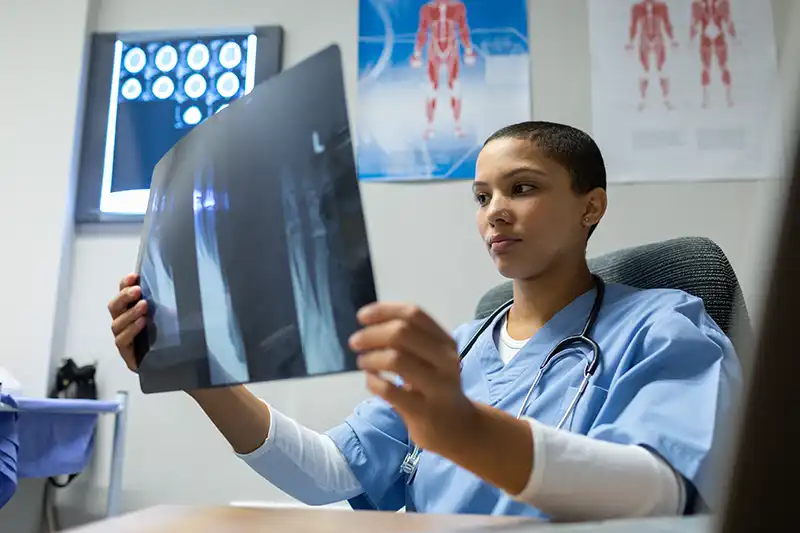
402 339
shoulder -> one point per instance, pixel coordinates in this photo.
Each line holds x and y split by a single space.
666 319
463 333
652 305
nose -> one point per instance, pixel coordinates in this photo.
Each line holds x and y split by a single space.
498 211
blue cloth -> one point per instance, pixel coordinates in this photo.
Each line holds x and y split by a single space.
667 379
9 446
56 436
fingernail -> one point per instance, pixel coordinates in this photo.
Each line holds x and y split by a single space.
365 311
353 340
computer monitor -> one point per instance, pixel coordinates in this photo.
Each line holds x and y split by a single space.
254 255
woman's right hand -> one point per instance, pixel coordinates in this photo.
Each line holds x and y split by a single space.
128 318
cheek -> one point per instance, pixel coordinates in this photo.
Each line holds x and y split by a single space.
546 220
480 221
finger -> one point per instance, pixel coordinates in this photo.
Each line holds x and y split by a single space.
417 374
404 401
125 339
402 336
123 300
128 281
384 311
119 324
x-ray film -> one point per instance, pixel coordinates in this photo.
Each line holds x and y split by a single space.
254 257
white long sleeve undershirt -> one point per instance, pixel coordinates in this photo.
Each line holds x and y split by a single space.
574 477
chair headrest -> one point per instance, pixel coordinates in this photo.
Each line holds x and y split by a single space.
695 265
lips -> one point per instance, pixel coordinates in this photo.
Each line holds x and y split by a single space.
501 243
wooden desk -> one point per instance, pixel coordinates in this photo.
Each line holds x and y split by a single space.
179 519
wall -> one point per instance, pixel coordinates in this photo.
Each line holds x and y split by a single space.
40 125
41 110
175 455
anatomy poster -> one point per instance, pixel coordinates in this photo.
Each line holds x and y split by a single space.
684 89
435 79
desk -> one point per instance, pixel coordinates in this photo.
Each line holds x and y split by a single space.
179 519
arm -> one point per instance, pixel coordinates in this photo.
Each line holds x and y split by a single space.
422 31
241 417
463 27
634 25
695 22
681 371
303 463
541 464
668 24
727 19
580 466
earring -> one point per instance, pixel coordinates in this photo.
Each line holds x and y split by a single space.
586 220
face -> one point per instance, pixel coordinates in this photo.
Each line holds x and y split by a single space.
529 217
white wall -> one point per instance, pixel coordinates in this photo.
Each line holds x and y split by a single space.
37 139
174 454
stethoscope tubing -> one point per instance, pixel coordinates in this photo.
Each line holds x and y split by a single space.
411 460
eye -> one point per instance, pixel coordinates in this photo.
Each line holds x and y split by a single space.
522 188
482 198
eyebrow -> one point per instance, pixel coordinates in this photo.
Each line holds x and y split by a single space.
514 173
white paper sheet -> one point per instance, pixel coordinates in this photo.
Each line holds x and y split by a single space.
683 130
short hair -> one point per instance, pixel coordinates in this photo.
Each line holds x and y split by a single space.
570 147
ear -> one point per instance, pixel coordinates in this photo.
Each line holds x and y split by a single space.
594 207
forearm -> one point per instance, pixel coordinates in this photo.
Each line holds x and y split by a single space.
496 447
580 478
566 475
241 417
303 463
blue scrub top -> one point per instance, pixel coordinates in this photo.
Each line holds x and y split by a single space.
667 380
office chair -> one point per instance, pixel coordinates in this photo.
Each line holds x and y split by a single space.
695 265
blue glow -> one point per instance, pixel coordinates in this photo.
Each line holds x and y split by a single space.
111 132
131 89
250 75
228 84
194 86
192 116
163 87
197 57
135 60
166 58
230 55
204 75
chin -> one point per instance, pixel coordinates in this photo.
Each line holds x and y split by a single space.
516 269
511 269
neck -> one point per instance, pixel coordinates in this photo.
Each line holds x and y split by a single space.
537 300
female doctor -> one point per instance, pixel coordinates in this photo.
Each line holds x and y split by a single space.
622 429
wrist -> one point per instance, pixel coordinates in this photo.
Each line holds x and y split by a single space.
493 434
461 428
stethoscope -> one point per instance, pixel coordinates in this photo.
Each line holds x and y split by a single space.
411 460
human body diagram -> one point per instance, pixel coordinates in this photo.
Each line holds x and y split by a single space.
444 29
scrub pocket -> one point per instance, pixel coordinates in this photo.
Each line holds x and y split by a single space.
584 414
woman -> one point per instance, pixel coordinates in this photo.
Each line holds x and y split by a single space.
639 440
